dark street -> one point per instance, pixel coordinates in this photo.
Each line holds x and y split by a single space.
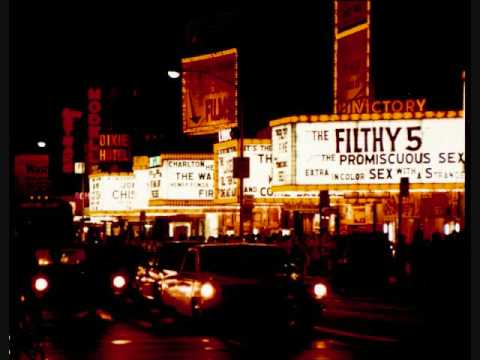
352 329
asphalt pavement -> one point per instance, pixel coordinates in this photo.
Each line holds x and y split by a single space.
352 328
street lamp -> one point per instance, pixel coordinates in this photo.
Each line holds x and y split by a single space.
173 74
41 144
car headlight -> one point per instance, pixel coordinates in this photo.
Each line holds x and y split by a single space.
40 284
319 290
119 281
207 291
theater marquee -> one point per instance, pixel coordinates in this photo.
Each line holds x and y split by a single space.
337 154
186 177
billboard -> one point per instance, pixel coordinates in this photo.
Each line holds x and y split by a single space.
182 177
373 152
351 13
209 92
351 52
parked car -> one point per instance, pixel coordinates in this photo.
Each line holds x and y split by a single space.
250 286
165 262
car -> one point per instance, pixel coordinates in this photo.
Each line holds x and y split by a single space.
249 286
164 262
60 284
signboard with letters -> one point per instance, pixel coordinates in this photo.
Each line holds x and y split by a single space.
209 92
94 123
259 183
427 151
182 177
114 148
112 192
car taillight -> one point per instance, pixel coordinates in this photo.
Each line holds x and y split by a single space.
319 290
119 281
207 291
40 284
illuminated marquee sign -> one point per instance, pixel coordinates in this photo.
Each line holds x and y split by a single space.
114 148
363 106
182 177
68 119
94 121
258 184
141 189
428 151
209 92
112 192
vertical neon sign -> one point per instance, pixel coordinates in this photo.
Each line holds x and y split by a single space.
94 121
68 118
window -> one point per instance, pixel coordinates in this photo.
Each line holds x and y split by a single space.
189 262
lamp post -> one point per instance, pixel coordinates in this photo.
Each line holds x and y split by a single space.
240 163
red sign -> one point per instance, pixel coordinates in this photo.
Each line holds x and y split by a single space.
94 121
352 70
351 13
352 52
68 118
31 174
114 148
209 92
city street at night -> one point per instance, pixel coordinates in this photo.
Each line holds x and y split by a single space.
136 338
224 181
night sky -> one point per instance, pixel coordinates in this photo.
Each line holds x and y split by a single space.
58 49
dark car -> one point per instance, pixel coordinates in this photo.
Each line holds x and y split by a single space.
61 284
364 262
113 265
165 262
249 286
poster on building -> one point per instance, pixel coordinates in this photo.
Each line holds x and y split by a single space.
31 174
351 52
112 192
209 92
379 152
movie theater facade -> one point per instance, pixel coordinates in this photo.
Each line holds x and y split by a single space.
359 158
